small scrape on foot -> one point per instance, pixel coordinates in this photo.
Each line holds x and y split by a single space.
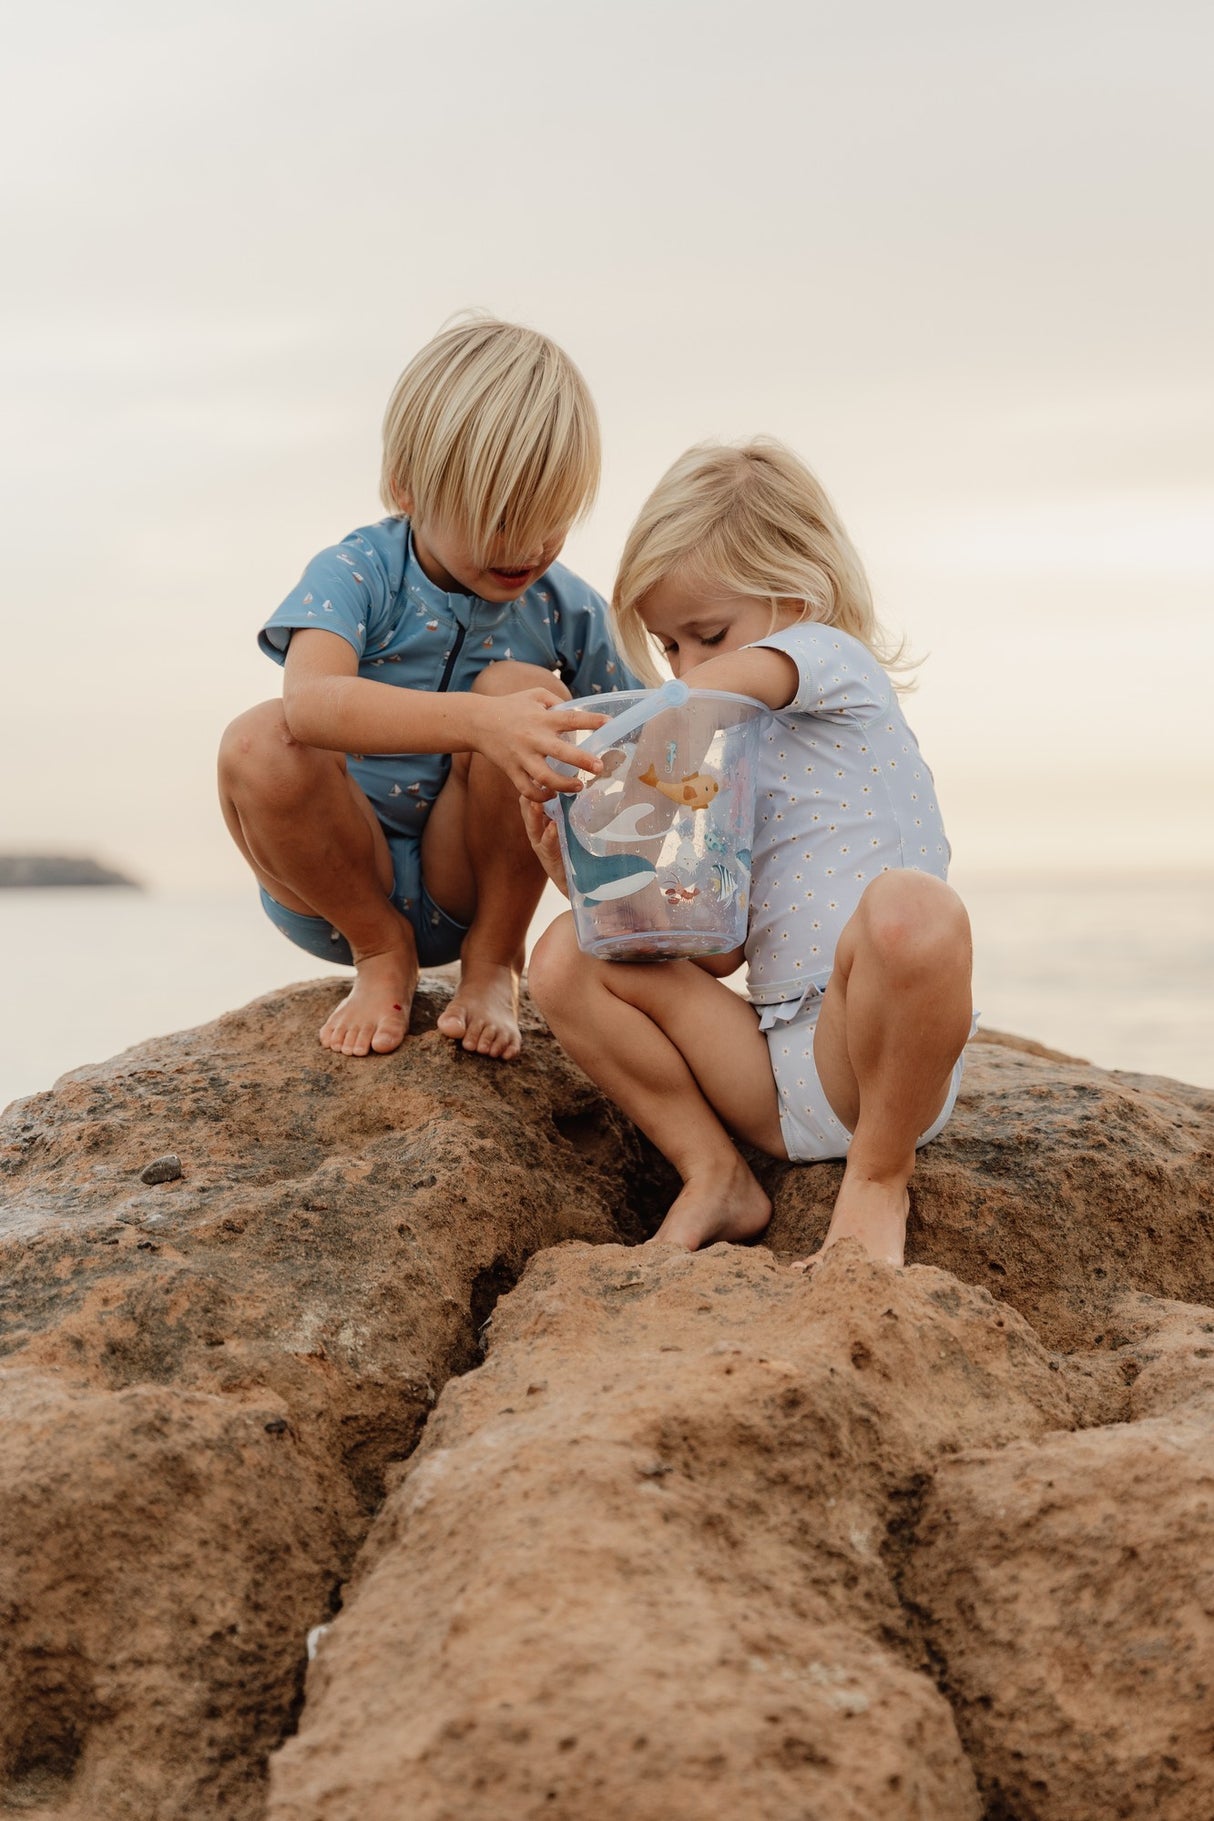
350 1033
373 1018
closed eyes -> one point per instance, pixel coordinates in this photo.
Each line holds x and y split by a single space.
702 638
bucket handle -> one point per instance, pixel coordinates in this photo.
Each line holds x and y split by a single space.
671 695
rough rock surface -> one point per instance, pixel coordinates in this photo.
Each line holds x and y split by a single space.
699 1536
203 1380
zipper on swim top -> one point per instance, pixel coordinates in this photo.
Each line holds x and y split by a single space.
461 632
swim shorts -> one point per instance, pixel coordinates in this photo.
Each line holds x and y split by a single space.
812 1133
439 937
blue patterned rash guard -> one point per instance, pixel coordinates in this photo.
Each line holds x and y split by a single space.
371 591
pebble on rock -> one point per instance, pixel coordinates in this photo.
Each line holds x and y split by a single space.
162 1169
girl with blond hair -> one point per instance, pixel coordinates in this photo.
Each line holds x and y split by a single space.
848 1044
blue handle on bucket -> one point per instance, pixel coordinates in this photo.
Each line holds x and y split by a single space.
671 695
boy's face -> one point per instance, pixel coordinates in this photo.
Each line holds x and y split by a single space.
443 552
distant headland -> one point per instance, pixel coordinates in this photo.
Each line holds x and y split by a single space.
58 869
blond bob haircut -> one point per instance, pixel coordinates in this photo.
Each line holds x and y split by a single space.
491 429
751 519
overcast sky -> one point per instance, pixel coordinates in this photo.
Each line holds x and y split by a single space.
958 255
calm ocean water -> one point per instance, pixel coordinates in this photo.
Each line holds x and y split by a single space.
1119 972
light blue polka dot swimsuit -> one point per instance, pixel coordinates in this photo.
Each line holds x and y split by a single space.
844 794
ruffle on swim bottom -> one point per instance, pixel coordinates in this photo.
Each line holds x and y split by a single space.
775 1008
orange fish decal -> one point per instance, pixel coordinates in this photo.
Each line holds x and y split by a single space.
695 791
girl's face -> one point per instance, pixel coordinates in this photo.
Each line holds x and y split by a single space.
693 622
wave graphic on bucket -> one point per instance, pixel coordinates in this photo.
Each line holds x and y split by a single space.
657 848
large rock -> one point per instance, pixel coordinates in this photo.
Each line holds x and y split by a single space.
642 1553
1067 1592
203 1380
698 1536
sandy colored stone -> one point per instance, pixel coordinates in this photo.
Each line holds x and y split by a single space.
1067 1593
343 1229
645 1550
161 1554
701 1525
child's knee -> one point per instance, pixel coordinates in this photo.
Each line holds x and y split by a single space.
554 963
915 923
258 748
509 676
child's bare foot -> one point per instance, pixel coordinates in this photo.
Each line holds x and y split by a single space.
716 1205
873 1212
374 1015
483 1014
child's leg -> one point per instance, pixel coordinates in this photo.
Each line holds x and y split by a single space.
683 1057
479 865
895 1018
315 843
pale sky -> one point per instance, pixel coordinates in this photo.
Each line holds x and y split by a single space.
956 254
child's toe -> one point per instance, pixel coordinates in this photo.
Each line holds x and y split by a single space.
388 1035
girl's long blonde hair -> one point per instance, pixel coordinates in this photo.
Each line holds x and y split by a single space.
492 428
750 518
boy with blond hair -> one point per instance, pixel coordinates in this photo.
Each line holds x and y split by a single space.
425 658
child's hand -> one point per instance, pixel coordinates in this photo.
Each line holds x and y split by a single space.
519 734
543 836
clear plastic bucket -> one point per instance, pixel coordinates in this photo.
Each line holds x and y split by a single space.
657 848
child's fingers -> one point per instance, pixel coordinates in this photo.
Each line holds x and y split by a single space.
534 820
574 720
568 754
549 781
541 832
562 709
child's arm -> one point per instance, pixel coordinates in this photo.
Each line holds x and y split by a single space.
327 704
720 965
769 676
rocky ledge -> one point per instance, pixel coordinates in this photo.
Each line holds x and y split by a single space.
300 1521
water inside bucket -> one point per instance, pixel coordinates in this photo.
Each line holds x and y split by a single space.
657 848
